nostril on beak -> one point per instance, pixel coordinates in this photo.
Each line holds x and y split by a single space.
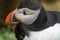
24 13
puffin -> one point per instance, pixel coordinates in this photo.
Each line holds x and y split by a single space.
34 23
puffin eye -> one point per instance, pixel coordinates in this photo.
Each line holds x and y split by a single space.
24 13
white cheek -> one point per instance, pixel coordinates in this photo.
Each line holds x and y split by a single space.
28 19
20 11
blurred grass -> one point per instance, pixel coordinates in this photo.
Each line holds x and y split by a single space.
52 6
7 35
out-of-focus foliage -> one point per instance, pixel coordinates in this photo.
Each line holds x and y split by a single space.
49 1
6 6
6 34
54 6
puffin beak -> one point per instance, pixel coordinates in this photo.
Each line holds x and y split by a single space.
10 18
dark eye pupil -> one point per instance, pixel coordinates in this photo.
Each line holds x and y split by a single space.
24 13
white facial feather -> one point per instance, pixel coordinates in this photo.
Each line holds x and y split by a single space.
29 18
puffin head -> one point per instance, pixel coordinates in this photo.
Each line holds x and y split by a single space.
27 12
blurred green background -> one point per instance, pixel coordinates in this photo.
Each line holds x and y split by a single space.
6 6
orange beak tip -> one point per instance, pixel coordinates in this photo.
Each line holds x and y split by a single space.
8 19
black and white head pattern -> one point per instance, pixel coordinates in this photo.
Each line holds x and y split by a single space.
28 11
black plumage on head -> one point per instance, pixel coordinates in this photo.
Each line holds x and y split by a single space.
31 4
